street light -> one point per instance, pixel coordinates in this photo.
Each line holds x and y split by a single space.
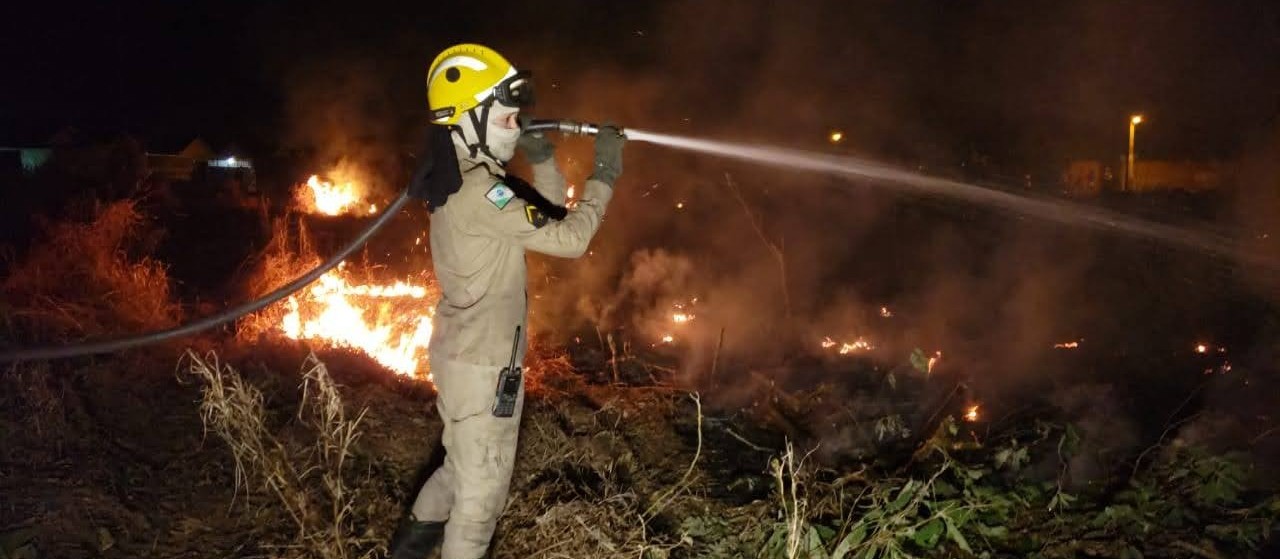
1134 121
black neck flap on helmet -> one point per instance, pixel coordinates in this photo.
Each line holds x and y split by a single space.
437 176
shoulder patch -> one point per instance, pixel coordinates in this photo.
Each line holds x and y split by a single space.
500 195
535 216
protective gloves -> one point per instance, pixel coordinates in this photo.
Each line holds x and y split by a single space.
535 145
608 165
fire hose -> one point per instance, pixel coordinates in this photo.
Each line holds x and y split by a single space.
231 314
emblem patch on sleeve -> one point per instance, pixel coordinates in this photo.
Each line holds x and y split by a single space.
535 216
500 195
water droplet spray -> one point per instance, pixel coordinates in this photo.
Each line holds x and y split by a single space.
881 174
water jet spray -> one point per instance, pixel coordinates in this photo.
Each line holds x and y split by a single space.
881 174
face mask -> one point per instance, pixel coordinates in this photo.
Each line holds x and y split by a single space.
501 141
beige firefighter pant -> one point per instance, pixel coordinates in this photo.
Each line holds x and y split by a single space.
469 490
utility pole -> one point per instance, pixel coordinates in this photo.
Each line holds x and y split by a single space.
1134 121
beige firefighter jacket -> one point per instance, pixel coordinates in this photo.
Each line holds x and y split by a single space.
478 241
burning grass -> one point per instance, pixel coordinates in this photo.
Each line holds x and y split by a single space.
348 307
89 279
342 191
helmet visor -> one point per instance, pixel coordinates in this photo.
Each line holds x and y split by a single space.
515 91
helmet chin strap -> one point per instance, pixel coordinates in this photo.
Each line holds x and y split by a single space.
480 122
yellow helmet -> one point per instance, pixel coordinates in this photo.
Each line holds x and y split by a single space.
468 75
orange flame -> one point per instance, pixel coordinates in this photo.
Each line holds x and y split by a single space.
343 191
388 322
858 345
937 356
972 413
328 198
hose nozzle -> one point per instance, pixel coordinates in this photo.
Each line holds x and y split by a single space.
564 126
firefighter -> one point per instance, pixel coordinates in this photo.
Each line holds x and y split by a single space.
482 222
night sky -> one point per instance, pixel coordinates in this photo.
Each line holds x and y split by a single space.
1021 80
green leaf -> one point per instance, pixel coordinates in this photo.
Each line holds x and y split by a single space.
953 534
1061 500
825 532
851 541
777 542
1002 456
943 488
928 535
813 545
904 497
997 532
1070 441
919 361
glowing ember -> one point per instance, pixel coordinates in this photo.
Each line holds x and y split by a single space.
885 312
857 345
387 322
681 318
835 136
1201 348
668 339
1067 345
937 356
679 205
971 414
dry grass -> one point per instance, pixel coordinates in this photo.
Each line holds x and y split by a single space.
285 258
586 485
82 281
327 502
787 472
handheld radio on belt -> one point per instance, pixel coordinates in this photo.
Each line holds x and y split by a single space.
504 404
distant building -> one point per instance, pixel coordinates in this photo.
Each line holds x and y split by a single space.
119 166
1083 178
1195 176
23 160
1090 177
198 170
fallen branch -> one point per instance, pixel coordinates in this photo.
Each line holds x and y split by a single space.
1170 426
674 490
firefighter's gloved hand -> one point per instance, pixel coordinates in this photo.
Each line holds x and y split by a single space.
608 165
535 145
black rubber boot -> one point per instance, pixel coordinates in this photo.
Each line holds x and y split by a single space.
414 540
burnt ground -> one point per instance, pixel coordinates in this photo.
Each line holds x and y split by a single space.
109 458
